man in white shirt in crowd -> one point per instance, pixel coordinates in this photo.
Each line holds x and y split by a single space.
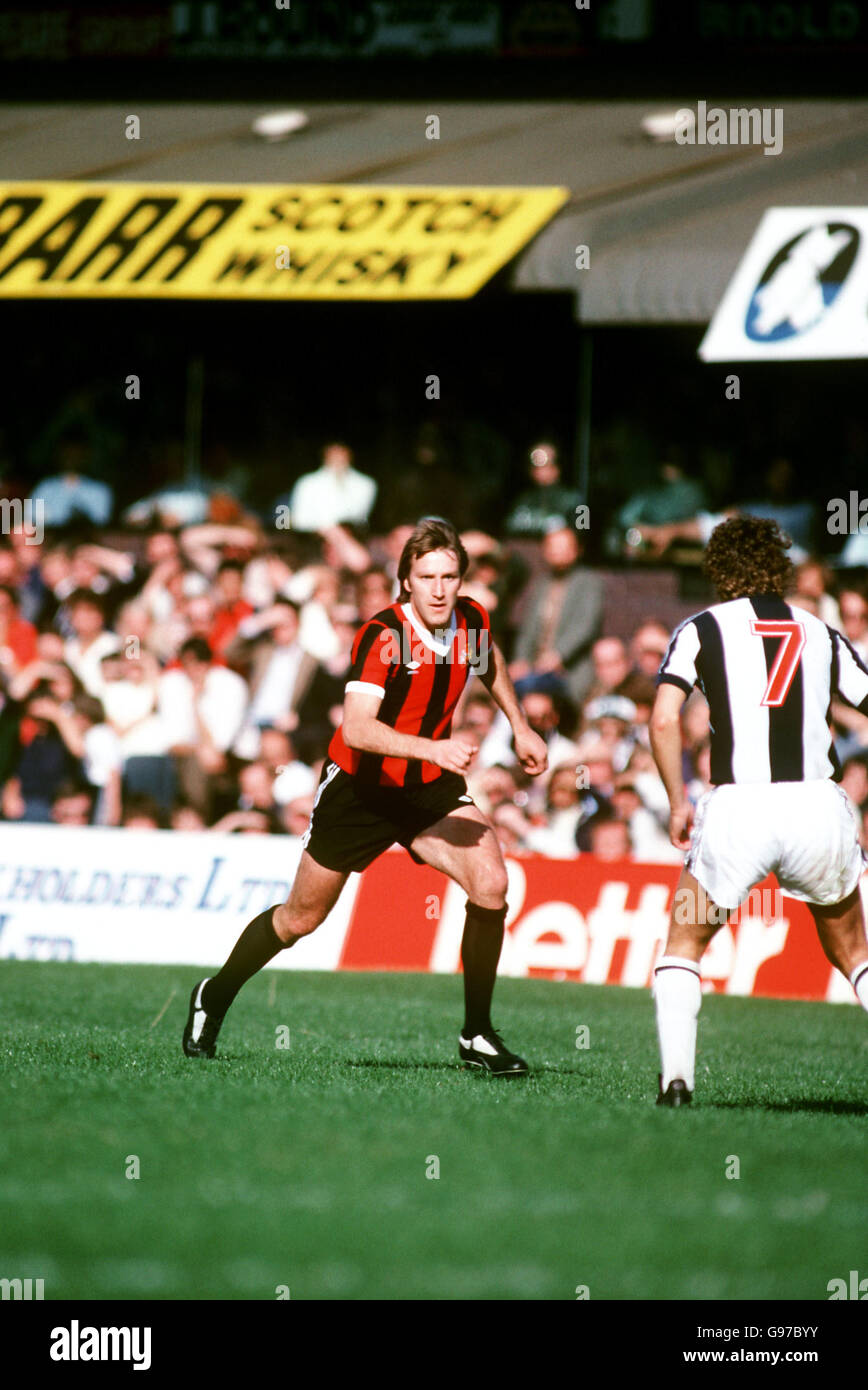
92 641
281 671
334 494
202 708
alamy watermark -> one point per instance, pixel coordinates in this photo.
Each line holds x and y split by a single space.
25 1289
27 516
467 648
740 125
690 908
848 516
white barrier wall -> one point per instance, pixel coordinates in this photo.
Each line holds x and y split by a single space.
148 895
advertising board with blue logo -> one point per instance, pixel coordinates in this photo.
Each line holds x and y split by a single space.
800 292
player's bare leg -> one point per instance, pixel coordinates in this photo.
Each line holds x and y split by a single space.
464 846
314 892
841 929
677 990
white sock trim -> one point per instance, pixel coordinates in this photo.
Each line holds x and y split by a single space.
676 963
860 970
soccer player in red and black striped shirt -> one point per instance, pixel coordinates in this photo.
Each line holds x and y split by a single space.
394 775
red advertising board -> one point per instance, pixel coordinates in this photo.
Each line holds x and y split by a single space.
585 920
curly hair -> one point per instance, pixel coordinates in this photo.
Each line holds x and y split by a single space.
748 555
431 533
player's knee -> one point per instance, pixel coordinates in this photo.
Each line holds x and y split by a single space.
489 885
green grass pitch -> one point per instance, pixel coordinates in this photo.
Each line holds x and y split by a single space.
304 1168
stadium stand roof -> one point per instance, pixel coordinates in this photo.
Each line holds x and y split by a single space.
666 224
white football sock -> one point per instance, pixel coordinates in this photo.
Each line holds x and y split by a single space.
859 981
678 996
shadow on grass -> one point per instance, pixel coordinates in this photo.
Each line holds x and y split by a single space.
406 1065
788 1107
385 1064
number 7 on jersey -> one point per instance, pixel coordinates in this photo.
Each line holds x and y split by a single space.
792 635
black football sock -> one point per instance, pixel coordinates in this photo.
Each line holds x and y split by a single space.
255 947
480 952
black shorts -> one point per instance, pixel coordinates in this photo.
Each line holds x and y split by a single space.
352 823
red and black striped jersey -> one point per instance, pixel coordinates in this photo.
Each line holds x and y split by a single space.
419 676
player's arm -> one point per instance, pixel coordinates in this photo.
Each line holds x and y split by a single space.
530 749
365 733
665 733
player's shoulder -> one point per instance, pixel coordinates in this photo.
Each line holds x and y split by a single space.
392 617
472 610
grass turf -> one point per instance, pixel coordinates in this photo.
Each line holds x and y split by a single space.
305 1167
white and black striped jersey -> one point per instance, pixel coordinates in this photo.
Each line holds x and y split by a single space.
769 672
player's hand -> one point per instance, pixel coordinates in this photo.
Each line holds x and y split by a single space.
455 754
680 825
531 751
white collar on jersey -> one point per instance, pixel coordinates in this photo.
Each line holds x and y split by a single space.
430 641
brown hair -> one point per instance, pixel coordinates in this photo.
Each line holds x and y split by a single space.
748 555
431 533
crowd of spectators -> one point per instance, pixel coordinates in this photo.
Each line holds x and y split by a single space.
183 666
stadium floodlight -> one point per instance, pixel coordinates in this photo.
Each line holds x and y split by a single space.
279 125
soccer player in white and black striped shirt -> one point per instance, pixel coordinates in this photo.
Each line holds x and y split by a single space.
769 672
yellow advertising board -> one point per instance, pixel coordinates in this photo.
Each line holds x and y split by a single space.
261 241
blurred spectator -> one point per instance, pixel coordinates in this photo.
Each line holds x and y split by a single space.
374 592
700 782
186 817
854 780
17 637
512 828
293 777
547 503
609 839
611 665
130 691
178 504
649 842
492 787
478 715
72 804
674 497
288 686
563 619
850 726
854 620
296 814
812 582
544 713
596 766
557 837
44 762
256 792
231 609
334 493
91 640
648 646
202 707
69 497
610 720
142 813
246 823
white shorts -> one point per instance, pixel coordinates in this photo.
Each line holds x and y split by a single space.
803 832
